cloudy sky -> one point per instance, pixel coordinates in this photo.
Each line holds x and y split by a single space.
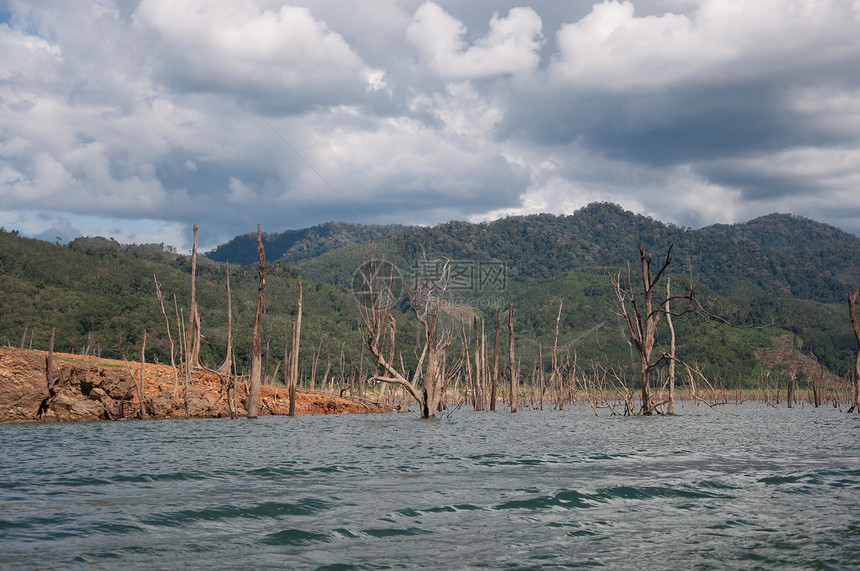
136 119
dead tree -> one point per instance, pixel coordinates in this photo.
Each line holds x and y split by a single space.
642 322
227 365
142 364
186 377
427 384
670 403
495 363
852 299
556 377
256 344
294 355
192 341
169 336
478 379
512 364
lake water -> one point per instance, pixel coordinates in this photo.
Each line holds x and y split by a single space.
757 488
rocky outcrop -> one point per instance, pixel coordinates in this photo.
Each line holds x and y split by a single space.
88 389
23 384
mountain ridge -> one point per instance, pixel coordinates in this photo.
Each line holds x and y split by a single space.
775 254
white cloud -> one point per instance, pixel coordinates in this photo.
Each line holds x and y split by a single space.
26 56
690 200
154 116
511 46
240 193
241 48
613 49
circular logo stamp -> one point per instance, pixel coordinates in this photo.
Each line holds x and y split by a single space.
377 284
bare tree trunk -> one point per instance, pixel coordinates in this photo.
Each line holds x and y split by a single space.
852 299
512 364
470 379
294 355
183 350
316 363
479 367
670 404
289 334
24 336
484 370
361 373
224 369
264 374
193 330
429 379
556 373
538 377
169 336
327 369
140 386
816 388
495 363
257 342
642 324
790 390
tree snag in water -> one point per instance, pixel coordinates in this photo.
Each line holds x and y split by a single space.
641 323
495 363
253 407
294 355
670 404
512 364
428 382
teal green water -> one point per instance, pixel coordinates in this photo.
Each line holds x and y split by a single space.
757 488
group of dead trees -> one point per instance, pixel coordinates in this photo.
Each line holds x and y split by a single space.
437 367
435 377
641 309
190 339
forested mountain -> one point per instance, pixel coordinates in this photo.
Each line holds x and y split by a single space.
778 255
295 245
780 269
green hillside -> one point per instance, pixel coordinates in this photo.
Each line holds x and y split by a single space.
99 286
780 269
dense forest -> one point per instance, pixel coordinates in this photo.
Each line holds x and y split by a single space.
788 273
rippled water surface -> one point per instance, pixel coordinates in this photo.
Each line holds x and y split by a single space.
757 488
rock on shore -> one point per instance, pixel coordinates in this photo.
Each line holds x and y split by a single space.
87 388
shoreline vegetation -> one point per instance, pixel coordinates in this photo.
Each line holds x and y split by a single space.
88 388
